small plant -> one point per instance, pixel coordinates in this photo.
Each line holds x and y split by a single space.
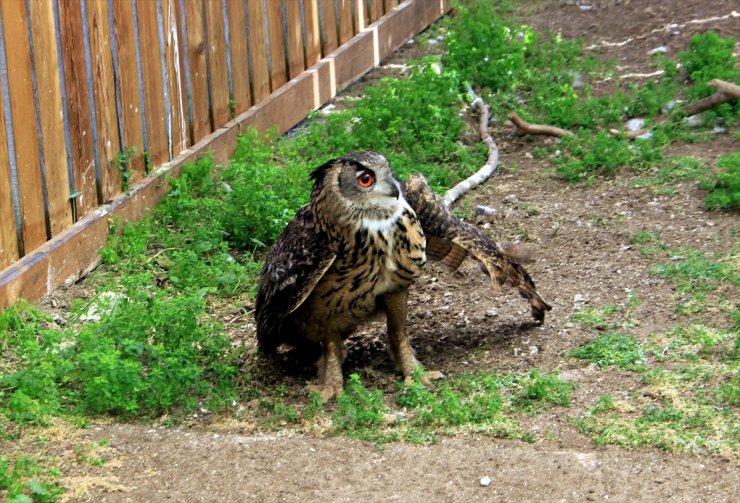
724 191
357 407
24 479
611 349
124 166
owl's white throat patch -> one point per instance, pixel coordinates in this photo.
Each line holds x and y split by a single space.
376 226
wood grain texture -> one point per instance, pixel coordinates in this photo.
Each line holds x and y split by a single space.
296 59
238 34
219 76
176 85
196 54
8 235
375 10
257 35
329 32
278 70
346 27
360 15
313 34
50 109
27 159
104 93
151 73
128 85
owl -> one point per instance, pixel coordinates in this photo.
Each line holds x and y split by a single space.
351 254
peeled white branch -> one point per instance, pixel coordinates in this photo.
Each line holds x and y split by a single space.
491 164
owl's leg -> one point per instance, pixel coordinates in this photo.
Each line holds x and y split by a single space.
396 310
330 369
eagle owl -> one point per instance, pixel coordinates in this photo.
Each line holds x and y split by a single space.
353 252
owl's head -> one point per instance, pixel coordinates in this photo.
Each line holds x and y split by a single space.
360 185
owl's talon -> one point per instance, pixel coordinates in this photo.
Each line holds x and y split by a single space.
325 391
425 377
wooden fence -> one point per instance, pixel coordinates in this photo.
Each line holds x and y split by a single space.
101 97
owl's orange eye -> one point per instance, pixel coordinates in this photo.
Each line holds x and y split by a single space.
366 179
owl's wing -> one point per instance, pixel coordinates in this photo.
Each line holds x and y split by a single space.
297 261
450 240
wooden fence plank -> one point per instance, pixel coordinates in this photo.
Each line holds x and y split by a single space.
128 85
50 107
313 34
296 61
104 94
388 5
242 95
375 10
28 162
8 235
257 34
346 30
219 74
196 53
78 109
174 53
278 72
329 38
360 15
151 73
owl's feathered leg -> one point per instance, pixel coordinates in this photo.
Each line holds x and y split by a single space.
330 368
396 310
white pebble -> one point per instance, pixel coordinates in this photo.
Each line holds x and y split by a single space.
485 481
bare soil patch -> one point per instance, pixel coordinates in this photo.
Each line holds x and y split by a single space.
581 238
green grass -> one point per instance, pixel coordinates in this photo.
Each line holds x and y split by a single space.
25 479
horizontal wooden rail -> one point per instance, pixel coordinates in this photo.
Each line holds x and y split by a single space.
74 252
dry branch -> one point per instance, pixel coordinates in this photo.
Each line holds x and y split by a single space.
537 129
491 164
726 91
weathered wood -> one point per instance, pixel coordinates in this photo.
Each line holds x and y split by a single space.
128 85
28 162
104 93
278 71
375 10
360 15
196 54
219 76
257 33
151 73
313 34
174 60
53 264
50 107
8 235
329 32
242 95
296 57
346 29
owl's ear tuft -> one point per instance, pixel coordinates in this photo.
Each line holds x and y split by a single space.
319 173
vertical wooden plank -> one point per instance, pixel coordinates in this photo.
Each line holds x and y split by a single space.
196 53
329 39
296 62
346 31
278 72
174 54
376 10
219 74
23 116
242 95
78 110
389 5
360 15
105 97
151 70
50 109
8 236
257 36
313 35
128 84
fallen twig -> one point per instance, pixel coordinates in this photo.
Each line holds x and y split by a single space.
491 164
726 91
537 129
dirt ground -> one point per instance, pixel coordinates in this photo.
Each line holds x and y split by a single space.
457 326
